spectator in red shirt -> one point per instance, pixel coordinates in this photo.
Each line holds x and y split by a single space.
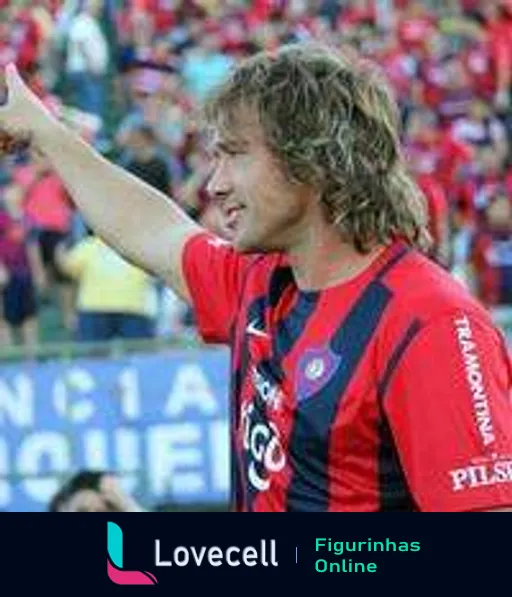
48 212
25 39
497 17
440 154
438 215
416 26
492 260
454 158
355 13
400 67
484 61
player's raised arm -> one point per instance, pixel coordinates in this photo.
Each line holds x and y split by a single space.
142 224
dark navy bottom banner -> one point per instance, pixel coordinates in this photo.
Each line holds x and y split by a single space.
220 553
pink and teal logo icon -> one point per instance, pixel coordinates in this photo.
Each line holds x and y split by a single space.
115 561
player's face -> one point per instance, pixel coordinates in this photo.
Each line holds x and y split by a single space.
264 211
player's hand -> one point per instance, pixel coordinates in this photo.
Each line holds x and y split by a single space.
22 115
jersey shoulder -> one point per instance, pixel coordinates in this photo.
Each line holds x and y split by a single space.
425 290
425 295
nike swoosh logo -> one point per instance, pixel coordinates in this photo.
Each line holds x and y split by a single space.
217 242
255 331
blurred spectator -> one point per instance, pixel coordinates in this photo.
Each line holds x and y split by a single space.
205 64
483 178
92 491
480 128
144 161
114 298
88 59
157 101
25 36
416 26
22 272
438 213
48 212
455 91
492 259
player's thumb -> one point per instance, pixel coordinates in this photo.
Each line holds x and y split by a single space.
13 78
11 86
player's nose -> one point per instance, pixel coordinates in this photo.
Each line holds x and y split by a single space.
220 183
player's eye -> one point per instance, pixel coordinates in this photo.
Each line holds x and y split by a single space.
234 151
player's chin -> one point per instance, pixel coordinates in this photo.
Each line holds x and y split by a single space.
242 246
245 242
254 244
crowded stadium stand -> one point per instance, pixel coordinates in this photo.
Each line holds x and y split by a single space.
101 367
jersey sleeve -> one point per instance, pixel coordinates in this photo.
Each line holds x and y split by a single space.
214 274
448 405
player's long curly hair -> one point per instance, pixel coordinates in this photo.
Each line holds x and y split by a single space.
332 122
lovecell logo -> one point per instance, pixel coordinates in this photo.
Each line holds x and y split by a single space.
115 561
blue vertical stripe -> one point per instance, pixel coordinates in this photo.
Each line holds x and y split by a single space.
309 440
393 489
290 328
255 312
394 493
282 277
396 356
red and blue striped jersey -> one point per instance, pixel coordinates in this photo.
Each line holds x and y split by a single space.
388 392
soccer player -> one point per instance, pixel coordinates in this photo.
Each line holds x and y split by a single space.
364 378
